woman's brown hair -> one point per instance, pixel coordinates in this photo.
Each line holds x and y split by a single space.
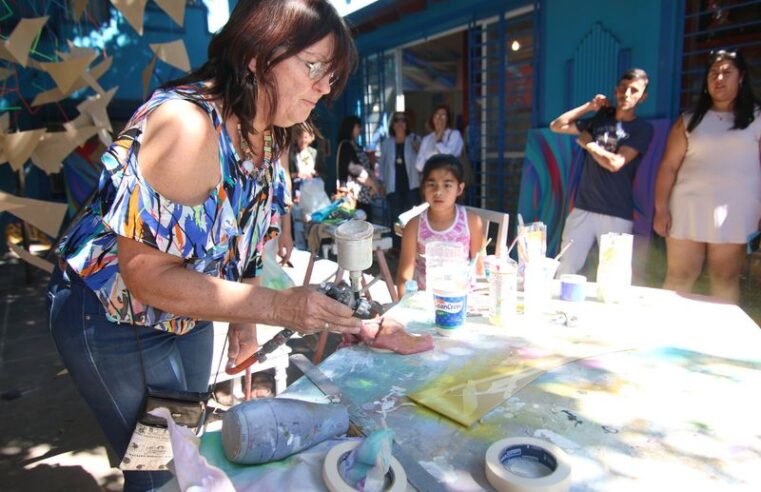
270 31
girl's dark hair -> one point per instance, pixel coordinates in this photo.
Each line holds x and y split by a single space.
445 107
745 102
270 31
347 128
445 162
398 115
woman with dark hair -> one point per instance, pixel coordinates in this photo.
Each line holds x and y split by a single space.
397 166
187 198
444 139
708 190
355 176
304 161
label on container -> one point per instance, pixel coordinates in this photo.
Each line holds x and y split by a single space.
451 308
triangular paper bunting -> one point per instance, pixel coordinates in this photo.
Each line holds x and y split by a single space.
46 216
66 73
95 107
78 52
5 122
147 73
174 8
52 150
19 146
20 41
55 95
78 7
31 258
173 53
133 11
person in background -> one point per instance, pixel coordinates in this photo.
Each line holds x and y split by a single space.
355 175
708 189
304 161
614 140
397 166
443 183
186 200
444 139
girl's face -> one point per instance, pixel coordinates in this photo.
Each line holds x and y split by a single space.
355 132
724 81
441 189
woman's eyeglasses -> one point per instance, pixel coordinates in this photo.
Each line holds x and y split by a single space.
399 118
318 70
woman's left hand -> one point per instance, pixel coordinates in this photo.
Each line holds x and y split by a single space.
241 342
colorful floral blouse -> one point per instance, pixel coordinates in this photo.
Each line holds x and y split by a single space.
222 237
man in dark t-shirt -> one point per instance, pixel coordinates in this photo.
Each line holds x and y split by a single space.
615 141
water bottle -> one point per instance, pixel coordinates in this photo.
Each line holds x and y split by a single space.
410 290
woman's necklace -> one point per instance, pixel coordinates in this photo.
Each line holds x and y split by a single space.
264 175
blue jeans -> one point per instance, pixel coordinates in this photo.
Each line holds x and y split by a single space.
103 360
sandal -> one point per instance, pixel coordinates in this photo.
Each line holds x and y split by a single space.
262 385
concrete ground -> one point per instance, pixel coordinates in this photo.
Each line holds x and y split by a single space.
49 441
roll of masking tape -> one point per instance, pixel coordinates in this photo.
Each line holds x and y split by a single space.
525 464
396 477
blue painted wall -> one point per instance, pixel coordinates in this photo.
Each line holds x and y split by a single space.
647 27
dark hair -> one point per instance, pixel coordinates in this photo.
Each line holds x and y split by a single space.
347 128
635 74
397 115
270 31
446 162
445 107
745 102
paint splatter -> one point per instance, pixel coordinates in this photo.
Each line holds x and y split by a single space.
556 439
573 418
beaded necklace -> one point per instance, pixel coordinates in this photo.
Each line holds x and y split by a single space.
264 175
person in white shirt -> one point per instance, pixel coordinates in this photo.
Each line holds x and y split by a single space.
442 140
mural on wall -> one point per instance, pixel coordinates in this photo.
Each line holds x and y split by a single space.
551 174
32 45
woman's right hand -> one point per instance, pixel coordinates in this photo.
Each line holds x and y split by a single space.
662 222
308 311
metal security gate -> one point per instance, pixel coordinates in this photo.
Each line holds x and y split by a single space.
377 97
500 106
719 24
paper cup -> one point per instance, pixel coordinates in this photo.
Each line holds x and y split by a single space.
572 287
451 308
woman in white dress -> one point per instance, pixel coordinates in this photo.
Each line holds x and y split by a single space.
442 140
708 190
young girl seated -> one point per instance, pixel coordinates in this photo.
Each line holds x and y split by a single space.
442 183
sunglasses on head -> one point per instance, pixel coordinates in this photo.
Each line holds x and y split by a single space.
722 54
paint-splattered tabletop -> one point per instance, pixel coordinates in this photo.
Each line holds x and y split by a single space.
658 387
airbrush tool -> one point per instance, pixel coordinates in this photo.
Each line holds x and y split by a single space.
354 240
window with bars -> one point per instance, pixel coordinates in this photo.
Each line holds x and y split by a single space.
718 24
500 72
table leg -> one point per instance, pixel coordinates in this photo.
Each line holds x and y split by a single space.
381 257
310 266
247 384
281 377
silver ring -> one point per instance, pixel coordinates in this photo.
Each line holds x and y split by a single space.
327 326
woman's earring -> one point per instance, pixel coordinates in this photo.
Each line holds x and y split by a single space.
251 79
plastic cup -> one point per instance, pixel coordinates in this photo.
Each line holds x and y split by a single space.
572 287
451 308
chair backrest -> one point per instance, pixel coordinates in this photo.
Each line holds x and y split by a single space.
489 217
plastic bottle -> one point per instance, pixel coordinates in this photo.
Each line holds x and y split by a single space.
413 298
